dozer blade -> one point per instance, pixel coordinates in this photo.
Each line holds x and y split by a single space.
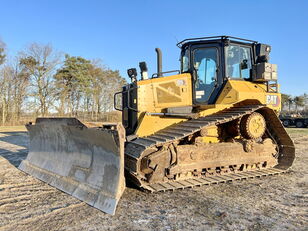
87 163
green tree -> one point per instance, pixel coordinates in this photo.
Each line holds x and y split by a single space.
73 83
286 100
299 101
86 86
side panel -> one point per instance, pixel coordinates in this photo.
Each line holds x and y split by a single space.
151 124
236 91
157 94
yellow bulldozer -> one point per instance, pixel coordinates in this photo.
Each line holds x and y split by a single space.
215 120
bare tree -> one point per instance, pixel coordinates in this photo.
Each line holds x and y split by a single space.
36 81
105 83
40 61
3 83
14 83
5 89
20 79
2 52
306 102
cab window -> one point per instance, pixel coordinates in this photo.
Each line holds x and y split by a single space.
238 61
185 61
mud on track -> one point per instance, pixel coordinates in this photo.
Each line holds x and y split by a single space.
271 203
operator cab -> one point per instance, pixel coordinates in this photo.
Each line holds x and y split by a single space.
214 60
211 61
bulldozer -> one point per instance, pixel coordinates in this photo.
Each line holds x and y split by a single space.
215 120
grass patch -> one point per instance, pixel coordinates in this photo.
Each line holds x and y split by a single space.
21 128
303 131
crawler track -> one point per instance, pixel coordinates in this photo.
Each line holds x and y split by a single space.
135 150
190 183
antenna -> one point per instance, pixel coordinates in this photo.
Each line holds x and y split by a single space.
177 41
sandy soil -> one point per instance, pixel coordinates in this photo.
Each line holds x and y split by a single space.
270 203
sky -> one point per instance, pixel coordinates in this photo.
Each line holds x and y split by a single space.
123 33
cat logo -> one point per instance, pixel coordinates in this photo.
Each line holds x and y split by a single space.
273 100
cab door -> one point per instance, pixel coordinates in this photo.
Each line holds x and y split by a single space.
206 71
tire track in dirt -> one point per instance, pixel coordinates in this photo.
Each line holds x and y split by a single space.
272 203
30 201
46 221
299 140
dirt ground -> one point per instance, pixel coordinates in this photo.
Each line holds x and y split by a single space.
270 203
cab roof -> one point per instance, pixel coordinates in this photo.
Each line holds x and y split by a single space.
213 39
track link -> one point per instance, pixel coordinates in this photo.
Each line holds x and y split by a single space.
193 182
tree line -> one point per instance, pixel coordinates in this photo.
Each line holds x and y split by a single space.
294 104
40 81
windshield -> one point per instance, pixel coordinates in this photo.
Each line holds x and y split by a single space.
238 61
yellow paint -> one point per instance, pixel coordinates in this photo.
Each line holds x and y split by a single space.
256 125
206 110
148 124
157 94
236 91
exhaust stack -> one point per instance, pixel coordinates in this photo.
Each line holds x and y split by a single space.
159 62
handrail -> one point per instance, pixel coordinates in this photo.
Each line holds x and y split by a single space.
115 101
128 99
155 75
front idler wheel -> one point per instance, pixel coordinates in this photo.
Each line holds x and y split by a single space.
252 126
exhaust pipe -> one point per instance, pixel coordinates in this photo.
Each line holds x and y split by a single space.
159 62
